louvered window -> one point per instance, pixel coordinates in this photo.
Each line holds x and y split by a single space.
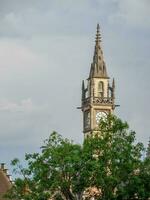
101 89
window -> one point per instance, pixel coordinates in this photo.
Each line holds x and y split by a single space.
101 89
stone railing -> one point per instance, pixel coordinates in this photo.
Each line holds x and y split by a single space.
98 100
102 100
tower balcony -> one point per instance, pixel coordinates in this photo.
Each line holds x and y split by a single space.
98 101
102 100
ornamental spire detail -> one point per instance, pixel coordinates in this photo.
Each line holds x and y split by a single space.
98 66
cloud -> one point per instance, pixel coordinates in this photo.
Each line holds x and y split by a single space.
32 18
25 105
46 48
132 12
23 122
20 55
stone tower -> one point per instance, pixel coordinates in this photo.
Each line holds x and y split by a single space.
98 95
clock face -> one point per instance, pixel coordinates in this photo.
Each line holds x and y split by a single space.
100 115
87 120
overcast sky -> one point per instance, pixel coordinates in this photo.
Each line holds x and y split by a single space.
46 48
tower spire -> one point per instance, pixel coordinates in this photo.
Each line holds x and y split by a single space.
98 35
98 97
98 67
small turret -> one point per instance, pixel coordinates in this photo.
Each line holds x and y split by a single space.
83 91
113 88
5 181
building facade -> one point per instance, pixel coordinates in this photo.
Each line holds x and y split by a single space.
5 181
98 96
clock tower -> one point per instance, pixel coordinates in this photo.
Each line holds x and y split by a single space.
97 95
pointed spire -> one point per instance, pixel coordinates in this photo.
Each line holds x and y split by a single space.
83 91
113 88
108 88
113 84
98 67
98 35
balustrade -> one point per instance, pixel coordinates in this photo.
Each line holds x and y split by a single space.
98 100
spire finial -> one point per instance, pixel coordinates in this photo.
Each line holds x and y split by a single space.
98 35
98 27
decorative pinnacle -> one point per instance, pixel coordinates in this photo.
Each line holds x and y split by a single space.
113 89
113 83
83 85
98 35
83 90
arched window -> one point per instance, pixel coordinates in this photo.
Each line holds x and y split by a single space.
101 89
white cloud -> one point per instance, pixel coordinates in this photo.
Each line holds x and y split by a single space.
26 105
132 12
45 51
16 54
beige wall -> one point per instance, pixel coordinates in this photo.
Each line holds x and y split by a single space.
96 83
94 108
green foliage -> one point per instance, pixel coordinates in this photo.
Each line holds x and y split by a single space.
113 159
109 160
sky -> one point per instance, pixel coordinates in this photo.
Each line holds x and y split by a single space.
46 48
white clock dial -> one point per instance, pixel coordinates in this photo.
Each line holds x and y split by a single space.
100 115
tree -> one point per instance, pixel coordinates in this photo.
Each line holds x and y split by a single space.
148 150
55 172
114 160
109 162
